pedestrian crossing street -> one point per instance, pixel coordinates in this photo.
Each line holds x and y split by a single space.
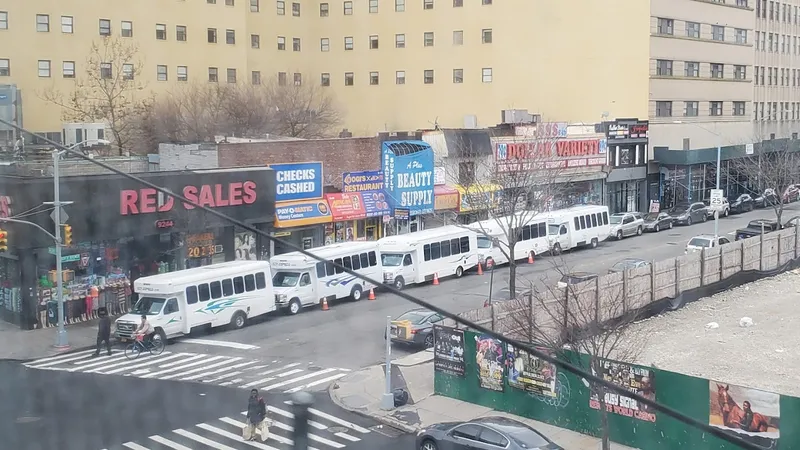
326 432
245 373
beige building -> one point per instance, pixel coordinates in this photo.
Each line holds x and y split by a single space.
701 73
390 64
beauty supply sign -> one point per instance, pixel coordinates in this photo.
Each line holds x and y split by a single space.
297 181
408 176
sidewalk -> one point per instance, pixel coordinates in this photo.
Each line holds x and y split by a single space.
361 392
25 345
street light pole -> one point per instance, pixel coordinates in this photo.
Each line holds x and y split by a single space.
61 335
716 213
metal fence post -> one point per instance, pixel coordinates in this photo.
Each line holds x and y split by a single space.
677 276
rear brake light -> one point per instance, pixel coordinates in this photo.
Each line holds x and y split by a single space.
413 331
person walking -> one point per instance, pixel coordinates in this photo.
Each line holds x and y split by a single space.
256 418
103 332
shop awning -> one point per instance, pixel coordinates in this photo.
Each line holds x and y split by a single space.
479 197
445 197
301 213
346 206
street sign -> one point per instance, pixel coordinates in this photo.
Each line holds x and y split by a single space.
71 258
716 197
64 216
84 259
749 149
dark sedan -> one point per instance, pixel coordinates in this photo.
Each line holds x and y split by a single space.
415 327
627 264
687 214
483 434
657 222
743 203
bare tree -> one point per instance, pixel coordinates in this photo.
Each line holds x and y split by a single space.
303 110
108 91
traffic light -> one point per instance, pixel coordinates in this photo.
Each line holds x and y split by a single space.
67 235
3 241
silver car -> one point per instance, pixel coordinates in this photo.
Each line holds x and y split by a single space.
626 224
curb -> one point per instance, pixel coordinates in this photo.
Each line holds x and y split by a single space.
380 418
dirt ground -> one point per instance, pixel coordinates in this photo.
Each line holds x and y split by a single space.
763 356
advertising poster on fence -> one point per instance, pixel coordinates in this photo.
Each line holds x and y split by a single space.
750 414
530 373
491 361
448 350
639 380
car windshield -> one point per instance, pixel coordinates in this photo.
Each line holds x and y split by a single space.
700 242
484 242
391 259
553 229
651 216
148 305
285 279
615 220
415 317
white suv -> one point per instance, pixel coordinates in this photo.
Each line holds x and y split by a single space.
626 224
724 209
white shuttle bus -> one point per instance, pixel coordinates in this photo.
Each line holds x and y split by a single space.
301 281
220 294
417 257
578 226
493 247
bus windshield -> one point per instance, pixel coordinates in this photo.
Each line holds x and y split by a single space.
150 306
391 259
285 279
484 242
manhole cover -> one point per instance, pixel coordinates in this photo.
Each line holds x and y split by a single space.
27 419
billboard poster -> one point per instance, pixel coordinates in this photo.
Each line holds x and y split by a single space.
297 181
362 181
639 380
408 175
448 350
490 357
529 373
750 414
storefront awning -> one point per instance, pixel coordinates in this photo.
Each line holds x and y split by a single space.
479 197
302 213
445 198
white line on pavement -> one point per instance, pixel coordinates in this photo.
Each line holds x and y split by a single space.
214 372
334 419
315 383
347 437
290 372
296 379
220 343
200 369
235 437
94 362
135 364
313 437
272 436
134 446
193 357
289 415
288 366
202 440
166 442
58 358
180 367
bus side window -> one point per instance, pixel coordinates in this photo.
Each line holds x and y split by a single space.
594 220
205 293
373 259
338 261
356 262
216 290
445 248
347 263
605 218
464 241
365 260
455 248
227 287
599 218
436 250
261 280
426 252
191 295
526 233
329 269
238 285
534 231
249 283
577 224
542 229
320 270
583 222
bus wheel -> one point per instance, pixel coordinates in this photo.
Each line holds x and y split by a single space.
356 294
399 283
239 320
459 272
294 306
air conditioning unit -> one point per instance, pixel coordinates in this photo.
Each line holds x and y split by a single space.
515 116
74 133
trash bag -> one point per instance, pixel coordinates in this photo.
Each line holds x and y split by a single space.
400 397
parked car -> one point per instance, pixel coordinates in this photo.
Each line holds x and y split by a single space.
657 221
723 209
791 194
767 199
793 222
698 243
627 264
688 213
415 328
757 228
626 224
743 203
483 433
575 278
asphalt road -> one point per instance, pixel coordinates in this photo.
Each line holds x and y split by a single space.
350 334
44 409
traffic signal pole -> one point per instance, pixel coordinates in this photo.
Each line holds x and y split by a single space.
62 341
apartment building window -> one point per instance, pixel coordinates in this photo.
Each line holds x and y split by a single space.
66 24
161 73
349 79
758 8
717 70
690 109
427 4
230 37
428 39
373 42
183 73
105 27
255 77
255 41
254 6
3 20
399 77
374 78
44 69
281 43
664 68
458 76
769 78
43 23
738 109
427 77
213 75
373 6
68 69
231 75
324 10
742 3
161 32
325 45
281 7
758 40
5 68
211 2
771 10
770 42
348 8
128 72
458 3
212 35
755 79
180 33
282 78
486 75
348 43
229 3
763 41
325 79
774 115
295 44
296 9
399 5
663 109
298 79
692 69
106 71
717 32
715 108
665 26
741 36
486 35
740 72
486 2
400 41
693 30
458 37
126 28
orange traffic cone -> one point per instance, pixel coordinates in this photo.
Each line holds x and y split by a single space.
325 304
530 258
480 269
372 294
436 279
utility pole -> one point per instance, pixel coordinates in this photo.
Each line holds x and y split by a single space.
387 400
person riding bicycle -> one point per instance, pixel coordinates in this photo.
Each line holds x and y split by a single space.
145 330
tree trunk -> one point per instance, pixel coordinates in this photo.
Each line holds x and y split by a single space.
604 422
512 273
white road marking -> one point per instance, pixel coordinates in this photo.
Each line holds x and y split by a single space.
268 379
102 357
193 357
315 383
180 367
220 343
236 437
54 361
214 372
289 415
259 367
134 446
167 443
313 437
288 366
200 369
286 374
127 365
347 437
272 436
223 376
334 419
95 362
202 440
296 379
58 358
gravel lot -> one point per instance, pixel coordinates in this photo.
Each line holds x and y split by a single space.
763 356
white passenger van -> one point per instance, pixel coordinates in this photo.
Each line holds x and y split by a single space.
578 226
493 239
220 294
417 257
302 281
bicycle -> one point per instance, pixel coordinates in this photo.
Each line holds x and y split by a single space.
155 346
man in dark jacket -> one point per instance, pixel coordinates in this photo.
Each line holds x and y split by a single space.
103 331
256 416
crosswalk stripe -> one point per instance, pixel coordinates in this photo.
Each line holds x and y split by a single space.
214 372
101 357
348 437
286 374
96 362
272 436
180 367
166 442
313 437
315 383
334 419
296 379
192 357
202 440
287 366
268 379
289 415
228 344
135 364
58 358
134 446
200 369
230 435
223 376
54 361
